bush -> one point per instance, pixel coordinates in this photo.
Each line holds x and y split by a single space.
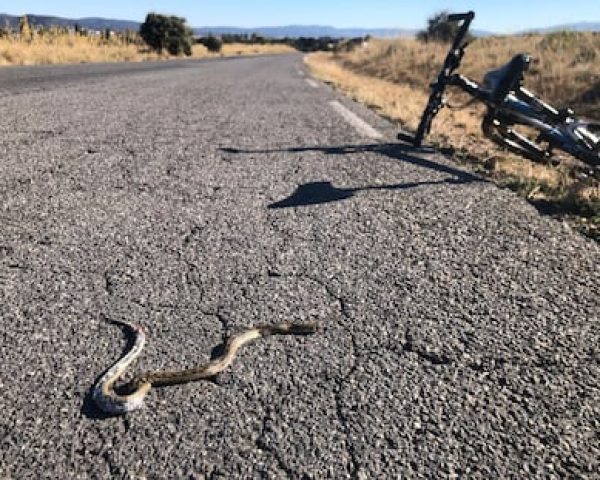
439 29
162 32
305 44
257 39
212 43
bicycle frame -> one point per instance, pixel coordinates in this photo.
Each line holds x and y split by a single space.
521 107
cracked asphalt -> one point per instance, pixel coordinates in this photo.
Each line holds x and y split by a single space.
460 333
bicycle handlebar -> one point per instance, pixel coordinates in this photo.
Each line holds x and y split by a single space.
457 17
467 18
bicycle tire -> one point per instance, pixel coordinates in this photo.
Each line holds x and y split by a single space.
586 136
426 119
506 137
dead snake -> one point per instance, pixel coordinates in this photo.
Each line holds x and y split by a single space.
111 402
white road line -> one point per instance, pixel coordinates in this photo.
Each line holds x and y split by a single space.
312 83
358 123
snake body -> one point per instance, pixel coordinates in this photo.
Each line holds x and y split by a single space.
111 402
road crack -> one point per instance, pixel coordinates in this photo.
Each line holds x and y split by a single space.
265 446
345 422
342 417
338 394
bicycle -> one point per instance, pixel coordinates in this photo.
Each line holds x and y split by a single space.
509 105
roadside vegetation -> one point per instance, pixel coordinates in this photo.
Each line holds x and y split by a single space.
170 33
32 45
392 77
303 44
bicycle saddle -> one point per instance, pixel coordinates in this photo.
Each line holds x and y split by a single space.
502 81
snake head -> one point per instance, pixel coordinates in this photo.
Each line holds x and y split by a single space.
304 328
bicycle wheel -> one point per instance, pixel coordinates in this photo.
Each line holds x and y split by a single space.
585 138
507 137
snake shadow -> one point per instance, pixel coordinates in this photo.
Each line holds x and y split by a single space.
90 410
315 193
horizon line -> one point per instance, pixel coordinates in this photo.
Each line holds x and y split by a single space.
411 29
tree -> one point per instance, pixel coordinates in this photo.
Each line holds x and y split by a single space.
162 32
212 43
439 29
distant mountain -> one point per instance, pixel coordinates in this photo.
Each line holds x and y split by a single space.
89 23
295 31
292 31
573 27
482 33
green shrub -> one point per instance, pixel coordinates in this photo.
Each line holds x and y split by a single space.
212 43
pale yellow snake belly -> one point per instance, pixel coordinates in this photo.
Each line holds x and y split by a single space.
111 402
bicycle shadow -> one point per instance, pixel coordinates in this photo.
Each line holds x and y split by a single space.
315 193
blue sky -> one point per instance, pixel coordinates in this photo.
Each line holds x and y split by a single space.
500 16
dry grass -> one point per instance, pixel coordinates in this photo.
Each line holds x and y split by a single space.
566 67
230 49
392 76
386 97
61 49
56 49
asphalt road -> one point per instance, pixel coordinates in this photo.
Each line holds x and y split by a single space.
460 328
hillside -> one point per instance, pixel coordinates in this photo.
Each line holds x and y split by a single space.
290 31
91 23
572 27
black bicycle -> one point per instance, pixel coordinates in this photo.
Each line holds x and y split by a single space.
511 106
